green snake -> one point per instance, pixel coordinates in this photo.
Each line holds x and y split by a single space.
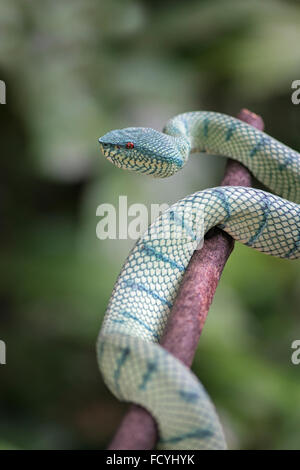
134 366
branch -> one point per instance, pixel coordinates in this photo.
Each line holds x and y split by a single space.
138 429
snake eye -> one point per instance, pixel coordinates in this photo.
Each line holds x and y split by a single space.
129 145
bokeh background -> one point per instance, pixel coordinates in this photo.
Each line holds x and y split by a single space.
75 70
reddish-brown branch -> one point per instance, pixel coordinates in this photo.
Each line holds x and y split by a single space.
138 429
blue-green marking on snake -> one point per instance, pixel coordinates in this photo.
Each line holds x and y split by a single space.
134 366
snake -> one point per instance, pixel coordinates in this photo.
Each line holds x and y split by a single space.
134 366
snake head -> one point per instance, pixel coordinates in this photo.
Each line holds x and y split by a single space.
144 150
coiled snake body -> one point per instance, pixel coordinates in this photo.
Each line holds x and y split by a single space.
134 366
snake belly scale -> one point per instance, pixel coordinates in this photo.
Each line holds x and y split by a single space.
134 366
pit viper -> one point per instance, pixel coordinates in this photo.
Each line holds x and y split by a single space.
134 366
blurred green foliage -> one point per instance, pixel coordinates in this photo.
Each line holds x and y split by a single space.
75 70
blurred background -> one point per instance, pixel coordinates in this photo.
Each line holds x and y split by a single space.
75 70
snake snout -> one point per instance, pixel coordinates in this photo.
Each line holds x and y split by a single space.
104 146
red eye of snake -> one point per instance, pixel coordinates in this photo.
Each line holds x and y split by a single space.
130 145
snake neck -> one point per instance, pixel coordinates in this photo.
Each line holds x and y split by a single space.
187 130
271 162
